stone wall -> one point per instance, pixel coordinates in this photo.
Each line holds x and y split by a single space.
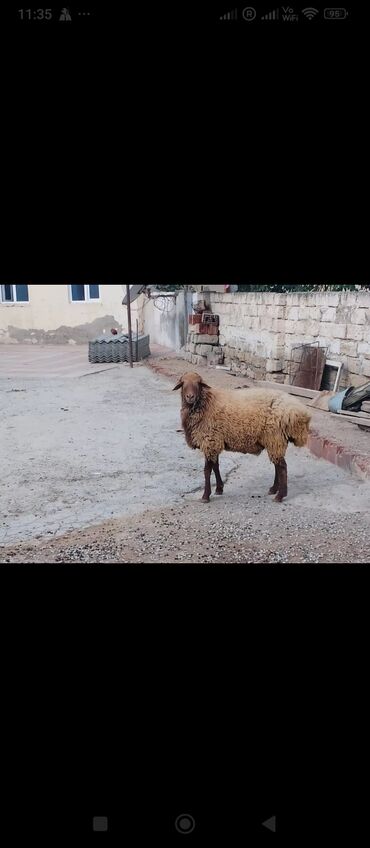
258 331
203 345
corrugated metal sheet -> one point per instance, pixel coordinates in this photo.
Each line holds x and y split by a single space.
116 349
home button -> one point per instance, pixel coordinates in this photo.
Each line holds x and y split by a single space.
185 823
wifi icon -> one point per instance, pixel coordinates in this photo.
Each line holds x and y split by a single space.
230 16
310 12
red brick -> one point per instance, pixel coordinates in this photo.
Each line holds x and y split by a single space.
339 455
343 458
195 319
330 451
315 444
363 463
208 329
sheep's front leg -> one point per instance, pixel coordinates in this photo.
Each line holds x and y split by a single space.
207 475
219 480
282 491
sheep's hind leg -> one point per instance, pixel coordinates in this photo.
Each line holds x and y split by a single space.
275 487
219 480
207 475
282 481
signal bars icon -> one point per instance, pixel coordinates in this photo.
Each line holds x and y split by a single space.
230 16
271 16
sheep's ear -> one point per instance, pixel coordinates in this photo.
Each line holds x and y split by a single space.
206 386
179 385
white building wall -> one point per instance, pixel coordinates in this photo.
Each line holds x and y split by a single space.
50 316
167 327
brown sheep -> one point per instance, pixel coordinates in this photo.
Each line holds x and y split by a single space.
215 420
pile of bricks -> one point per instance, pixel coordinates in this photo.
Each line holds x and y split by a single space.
203 346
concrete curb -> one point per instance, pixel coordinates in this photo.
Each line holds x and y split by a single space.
160 369
322 447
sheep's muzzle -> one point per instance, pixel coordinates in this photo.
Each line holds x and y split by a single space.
191 385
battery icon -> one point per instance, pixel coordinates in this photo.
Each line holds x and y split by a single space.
335 14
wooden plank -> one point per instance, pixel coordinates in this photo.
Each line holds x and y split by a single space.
354 414
286 387
361 422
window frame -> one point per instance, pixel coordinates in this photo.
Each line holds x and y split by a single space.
14 301
87 298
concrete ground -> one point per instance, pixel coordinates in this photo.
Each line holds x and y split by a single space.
31 362
93 469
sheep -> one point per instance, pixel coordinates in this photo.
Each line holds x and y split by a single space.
215 420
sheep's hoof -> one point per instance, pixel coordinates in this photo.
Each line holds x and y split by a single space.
219 491
279 498
272 491
206 500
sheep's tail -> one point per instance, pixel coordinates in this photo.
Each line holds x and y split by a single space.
296 423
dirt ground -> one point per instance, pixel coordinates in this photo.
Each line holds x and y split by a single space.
238 527
94 470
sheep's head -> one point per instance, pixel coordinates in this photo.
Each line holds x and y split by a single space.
192 387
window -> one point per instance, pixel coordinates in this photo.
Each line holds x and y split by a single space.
10 293
81 292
